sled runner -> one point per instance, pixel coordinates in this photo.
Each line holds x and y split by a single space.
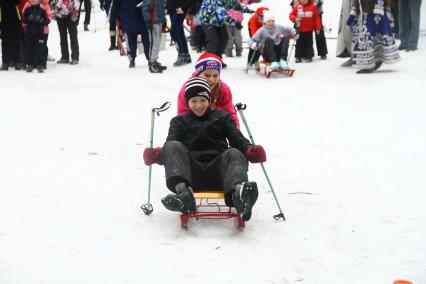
264 68
120 39
210 205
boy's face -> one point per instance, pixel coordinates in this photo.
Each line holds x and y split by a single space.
212 76
33 2
198 105
304 2
270 24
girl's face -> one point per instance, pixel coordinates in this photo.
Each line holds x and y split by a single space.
270 24
212 76
198 105
33 2
304 2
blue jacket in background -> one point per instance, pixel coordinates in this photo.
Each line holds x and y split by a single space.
129 15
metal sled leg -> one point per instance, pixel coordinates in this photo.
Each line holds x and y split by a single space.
208 208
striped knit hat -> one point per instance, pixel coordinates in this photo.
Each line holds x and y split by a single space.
208 61
197 87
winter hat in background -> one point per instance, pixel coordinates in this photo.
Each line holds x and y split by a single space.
261 10
208 61
197 87
268 15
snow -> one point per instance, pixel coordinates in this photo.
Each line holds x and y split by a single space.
346 156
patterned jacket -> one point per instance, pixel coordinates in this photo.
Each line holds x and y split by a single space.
214 12
65 8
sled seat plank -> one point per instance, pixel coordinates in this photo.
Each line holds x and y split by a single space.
209 195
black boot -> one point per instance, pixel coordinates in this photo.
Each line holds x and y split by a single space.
183 201
4 67
63 61
155 68
187 58
40 69
30 69
113 45
180 60
244 198
365 71
132 63
378 64
19 66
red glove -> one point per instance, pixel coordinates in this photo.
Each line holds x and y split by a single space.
152 156
256 154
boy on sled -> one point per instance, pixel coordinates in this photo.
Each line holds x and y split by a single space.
205 150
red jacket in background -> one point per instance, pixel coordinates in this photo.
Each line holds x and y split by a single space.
221 99
310 19
21 7
254 24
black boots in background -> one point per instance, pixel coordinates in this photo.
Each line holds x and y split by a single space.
183 58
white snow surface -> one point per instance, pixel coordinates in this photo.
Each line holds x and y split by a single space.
346 156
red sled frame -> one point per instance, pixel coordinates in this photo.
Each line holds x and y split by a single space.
120 38
204 209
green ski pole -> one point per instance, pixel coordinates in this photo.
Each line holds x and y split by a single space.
147 208
240 107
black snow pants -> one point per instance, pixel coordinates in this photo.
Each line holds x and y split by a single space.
273 52
12 43
225 171
321 42
305 46
217 39
67 26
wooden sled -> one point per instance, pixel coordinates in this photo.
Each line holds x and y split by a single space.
211 205
120 39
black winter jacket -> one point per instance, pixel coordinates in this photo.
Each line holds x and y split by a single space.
206 137
36 18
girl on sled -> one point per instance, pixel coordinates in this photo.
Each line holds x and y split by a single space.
272 41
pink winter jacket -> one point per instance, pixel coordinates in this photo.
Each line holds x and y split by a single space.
221 99
44 5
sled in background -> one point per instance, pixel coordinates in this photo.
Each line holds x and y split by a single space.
211 205
120 39
264 68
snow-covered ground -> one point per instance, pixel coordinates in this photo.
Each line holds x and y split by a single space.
346 155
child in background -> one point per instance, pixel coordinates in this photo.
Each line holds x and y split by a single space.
273 40
234 34
306 17
154 14
35 19
208 67
320 40
255 23
45 6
